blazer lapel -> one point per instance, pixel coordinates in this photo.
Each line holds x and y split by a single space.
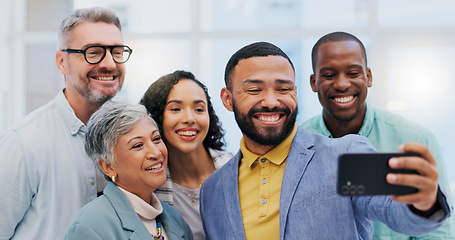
296 163
168 222
128 217
231 196
140 235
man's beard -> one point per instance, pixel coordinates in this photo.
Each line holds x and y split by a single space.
93 95
272 136
85 89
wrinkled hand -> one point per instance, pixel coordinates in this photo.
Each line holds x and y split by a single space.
426 182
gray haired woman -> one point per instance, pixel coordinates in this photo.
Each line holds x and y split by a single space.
128 147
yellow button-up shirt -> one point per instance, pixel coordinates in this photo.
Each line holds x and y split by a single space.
260 180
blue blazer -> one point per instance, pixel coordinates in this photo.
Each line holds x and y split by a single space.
309 205
111 216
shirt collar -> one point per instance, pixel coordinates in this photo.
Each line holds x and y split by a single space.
277 155
146 210
324 130
73 123
368 121
367 124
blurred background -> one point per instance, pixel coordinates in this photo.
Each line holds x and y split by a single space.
410 46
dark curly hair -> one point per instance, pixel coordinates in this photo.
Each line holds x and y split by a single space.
155 99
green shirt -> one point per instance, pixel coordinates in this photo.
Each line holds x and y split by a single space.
386 131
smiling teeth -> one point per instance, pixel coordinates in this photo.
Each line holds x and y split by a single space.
154 167
105 78
344 99
187 133
269 118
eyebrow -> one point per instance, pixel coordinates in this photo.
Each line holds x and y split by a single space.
173 101
199 101
284 81
323 69
180 101
333 69
89 45
138 137
258 81
134 138
252 81
355 66
99 44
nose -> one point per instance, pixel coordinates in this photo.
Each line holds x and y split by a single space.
153 152
342 83
108 61
187 116
270 99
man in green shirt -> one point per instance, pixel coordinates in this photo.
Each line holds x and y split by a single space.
341 79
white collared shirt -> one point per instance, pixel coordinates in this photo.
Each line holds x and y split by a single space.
146 212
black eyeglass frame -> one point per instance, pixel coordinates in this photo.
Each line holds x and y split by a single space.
105 47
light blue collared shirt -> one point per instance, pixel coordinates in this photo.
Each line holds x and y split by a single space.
45 174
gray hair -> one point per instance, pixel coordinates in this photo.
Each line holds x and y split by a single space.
107 124
96 14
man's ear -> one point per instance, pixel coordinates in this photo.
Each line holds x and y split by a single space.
60 60
313 83
226 97
106 168
369 77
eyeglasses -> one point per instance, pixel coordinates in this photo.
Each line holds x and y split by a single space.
95 54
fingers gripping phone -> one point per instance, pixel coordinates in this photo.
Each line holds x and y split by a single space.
365 174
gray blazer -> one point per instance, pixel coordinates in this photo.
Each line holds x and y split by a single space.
111 216
309 205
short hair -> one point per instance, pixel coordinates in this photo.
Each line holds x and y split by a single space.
107 124
95 14
335 37
257 49
155 99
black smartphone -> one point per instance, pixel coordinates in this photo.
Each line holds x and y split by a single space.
365 174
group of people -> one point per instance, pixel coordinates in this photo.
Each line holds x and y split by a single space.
86 167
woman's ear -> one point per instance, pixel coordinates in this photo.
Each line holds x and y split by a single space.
106 168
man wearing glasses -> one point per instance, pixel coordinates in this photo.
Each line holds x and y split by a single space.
45 174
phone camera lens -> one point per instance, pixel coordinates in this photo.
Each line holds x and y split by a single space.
344 190
360 189
352 190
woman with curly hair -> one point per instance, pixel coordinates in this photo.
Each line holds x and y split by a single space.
191 130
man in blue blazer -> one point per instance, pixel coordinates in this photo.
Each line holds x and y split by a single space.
282 182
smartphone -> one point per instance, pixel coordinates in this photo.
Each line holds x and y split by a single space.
365 174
